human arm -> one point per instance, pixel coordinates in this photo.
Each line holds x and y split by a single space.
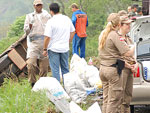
72 31
122 46
87 22
28 23
74 18
127 65
48 36
71 36
46 42
135 67
130 52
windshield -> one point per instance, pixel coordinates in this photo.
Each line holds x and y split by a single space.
143 48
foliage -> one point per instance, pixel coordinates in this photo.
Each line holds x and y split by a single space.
14 33
97 11
18 98
16 29
6 42
10 9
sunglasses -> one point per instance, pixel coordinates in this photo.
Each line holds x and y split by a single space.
38 5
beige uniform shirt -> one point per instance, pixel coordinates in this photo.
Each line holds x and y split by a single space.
38 22
129 42
114 49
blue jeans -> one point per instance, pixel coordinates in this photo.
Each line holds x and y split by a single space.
78 43
56 60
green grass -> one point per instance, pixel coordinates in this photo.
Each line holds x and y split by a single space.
17 97
6 42
92 46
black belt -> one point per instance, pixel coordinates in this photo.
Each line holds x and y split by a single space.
120 64
113 65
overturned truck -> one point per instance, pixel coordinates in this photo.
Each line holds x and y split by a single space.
13 60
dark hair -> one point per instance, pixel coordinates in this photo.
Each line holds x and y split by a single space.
139 10
54 7
135 6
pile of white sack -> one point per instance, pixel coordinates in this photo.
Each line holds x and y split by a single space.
81 78
60 98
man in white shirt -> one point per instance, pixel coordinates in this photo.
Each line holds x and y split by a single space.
58 32
34 28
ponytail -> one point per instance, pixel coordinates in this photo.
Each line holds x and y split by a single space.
103 37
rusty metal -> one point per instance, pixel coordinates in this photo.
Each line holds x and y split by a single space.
8 65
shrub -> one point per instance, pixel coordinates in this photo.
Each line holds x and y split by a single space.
16 29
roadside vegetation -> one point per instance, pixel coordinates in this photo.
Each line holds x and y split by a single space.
14 33
16 96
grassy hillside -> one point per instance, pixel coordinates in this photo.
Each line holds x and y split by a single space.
17 97
11 9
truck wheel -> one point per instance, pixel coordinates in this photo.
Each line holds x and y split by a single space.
132 108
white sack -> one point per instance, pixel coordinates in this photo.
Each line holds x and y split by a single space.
54 91
92 75
74 108
74 87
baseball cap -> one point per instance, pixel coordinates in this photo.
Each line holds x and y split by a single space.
125 19
36 2
123 13
74 5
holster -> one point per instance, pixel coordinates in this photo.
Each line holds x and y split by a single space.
120 64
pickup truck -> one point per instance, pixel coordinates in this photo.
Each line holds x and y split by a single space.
140 34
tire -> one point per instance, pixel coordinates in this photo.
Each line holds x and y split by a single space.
131 108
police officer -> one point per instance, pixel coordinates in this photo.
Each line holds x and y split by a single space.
111 49
127 73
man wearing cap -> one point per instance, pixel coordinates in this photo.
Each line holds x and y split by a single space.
78 41
34 28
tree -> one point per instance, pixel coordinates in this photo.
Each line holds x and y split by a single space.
16 29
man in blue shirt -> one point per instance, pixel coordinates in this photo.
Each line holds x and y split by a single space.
78 41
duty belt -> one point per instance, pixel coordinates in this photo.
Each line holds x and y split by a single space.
119 65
